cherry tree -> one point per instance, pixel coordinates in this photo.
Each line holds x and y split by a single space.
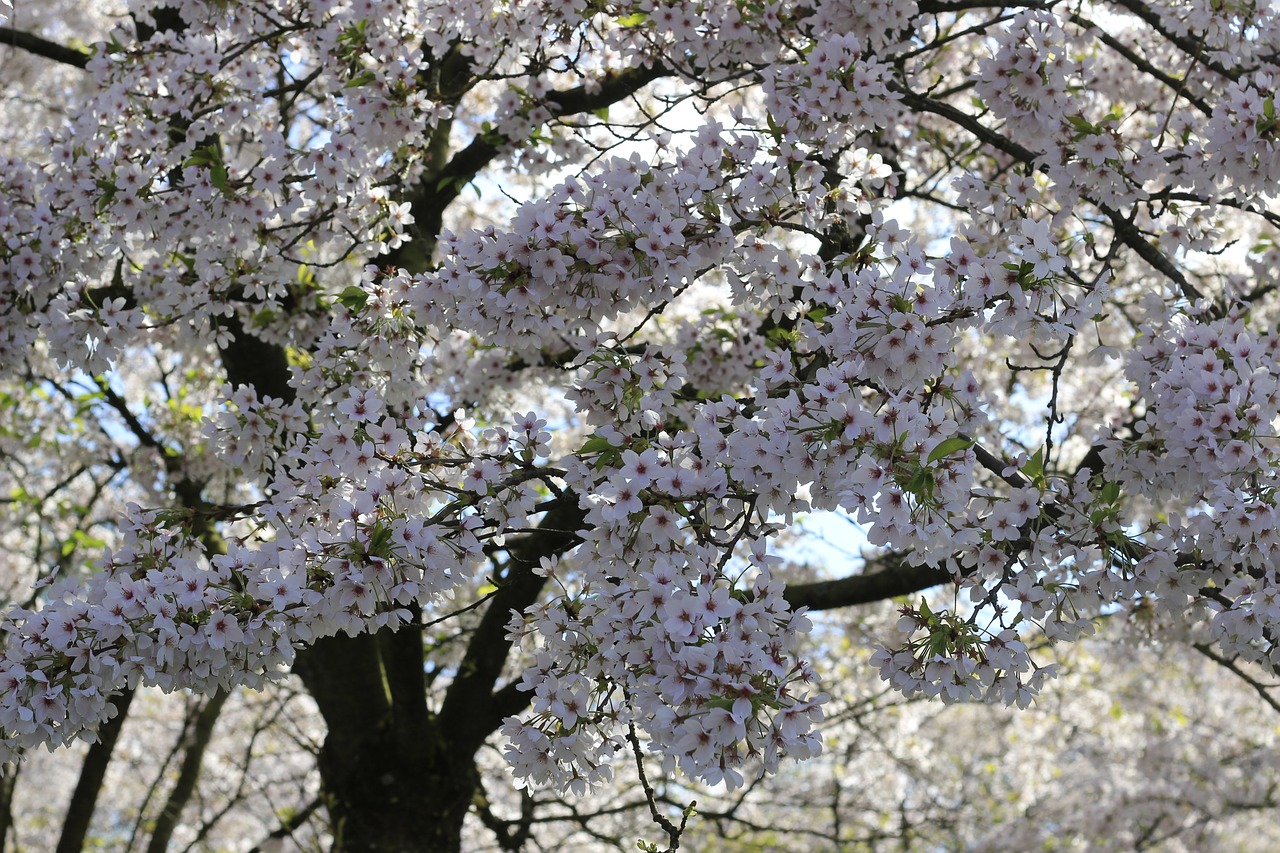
994 284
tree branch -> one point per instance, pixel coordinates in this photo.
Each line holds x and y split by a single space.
437 189
1129 234
897 577
1231 665
38 46
188 774
84 800
935 7
288 826
8 782
1194 49
610 90
1176 85
468 710
401 654
1126 232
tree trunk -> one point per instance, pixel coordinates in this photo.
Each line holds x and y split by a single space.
387 802
390 781
75 826
395 777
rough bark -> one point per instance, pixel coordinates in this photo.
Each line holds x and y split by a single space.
396 777
390 783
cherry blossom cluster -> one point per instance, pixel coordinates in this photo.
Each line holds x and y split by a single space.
157 613
701 664
1029 78
249 433
836 94
351 547
568 265
953 664
1245 134
172 216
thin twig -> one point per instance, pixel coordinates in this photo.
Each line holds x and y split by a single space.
673 832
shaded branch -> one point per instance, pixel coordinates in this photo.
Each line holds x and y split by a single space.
1131 236
609 90
8 782
42 47
287 827
402 652
189 772
345 677
468 710
84 800
935 7
509 700
437 189
1234 667
251 361
898 577
673 832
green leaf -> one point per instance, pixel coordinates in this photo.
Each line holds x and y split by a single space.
782 338
1081 125
595 444
84 540
921 484
354 33
218 177
108 193
205 155
353 297
635 20
774 130
362 79
949 446
80 539
380 540
1035 465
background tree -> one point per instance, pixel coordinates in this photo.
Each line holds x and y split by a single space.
995 282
